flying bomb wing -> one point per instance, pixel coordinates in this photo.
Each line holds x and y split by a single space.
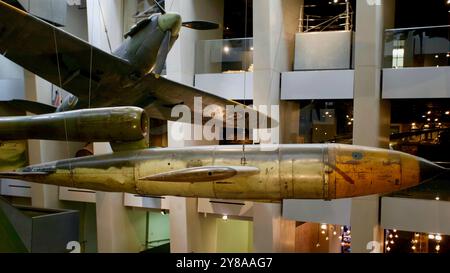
203 174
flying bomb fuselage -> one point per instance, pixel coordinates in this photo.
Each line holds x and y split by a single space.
323 171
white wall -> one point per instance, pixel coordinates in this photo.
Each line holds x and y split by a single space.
416 82
326 84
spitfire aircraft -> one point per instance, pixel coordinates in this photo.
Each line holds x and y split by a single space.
129 76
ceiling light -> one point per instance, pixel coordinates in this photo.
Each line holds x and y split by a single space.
413 247
388 248
437 198
225 217
226 49
438 237
436 56
447 113
431 237
429 112
438 247
323 226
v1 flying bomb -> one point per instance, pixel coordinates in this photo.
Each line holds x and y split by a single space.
322 171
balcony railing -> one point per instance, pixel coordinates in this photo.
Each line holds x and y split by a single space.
417 47
224 56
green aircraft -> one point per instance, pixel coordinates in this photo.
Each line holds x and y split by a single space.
130 76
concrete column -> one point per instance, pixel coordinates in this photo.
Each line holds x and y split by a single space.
272 233
181 59
371 125
275 23
185 231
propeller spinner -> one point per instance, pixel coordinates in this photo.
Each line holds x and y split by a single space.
197 25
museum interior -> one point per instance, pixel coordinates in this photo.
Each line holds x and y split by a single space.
370 73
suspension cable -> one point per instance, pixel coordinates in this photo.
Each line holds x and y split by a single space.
105 27
60 85
244 159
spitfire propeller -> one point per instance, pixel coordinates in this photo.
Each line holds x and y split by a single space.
170 24
197 25
162 54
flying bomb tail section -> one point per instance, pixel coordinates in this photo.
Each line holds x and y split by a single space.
125 127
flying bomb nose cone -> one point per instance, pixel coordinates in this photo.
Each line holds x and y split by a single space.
170 21
429 170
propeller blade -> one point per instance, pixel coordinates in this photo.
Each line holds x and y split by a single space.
201 25
162 54
163 11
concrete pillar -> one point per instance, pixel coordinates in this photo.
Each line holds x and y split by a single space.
185 231
275 23
181 59
371 125
272 233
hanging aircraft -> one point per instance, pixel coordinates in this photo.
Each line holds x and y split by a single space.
316 171
129 76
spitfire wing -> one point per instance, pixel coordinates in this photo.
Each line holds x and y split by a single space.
168 93
39 47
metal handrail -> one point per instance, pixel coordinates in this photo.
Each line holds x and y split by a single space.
414 28
330 21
